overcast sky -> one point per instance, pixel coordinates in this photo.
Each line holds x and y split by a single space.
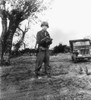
68 19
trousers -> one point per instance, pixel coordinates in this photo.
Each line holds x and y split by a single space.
42 57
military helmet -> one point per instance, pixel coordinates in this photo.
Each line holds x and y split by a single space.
44 24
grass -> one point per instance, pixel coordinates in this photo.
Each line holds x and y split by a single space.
67 83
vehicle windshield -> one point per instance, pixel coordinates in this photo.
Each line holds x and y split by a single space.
81 43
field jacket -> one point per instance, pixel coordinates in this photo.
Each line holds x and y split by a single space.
41 35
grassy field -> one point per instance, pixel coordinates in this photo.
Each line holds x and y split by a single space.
69 81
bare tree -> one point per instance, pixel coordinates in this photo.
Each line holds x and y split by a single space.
21 41
12 13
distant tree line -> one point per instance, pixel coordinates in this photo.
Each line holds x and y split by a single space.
60 49
57 49
24 51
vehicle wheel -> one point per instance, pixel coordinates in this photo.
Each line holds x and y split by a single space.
74 59
88 59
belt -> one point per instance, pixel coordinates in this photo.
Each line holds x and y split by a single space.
42 48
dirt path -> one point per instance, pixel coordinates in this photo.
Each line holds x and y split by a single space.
69 81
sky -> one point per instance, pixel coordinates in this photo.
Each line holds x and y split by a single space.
68 20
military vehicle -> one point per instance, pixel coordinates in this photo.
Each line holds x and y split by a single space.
80 49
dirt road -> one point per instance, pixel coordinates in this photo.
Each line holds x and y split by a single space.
69 81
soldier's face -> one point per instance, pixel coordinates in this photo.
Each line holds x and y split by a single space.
44 27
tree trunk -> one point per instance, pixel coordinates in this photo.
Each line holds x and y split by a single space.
3 35
11 31
7 39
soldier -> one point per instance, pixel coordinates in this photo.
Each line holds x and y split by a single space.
43 41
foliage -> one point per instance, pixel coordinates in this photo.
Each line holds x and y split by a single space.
26 51
60 49
25 8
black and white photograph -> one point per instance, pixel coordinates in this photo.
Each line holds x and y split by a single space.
45 49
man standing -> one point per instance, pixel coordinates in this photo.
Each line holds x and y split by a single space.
43 41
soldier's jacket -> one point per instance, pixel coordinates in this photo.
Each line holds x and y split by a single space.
42 38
